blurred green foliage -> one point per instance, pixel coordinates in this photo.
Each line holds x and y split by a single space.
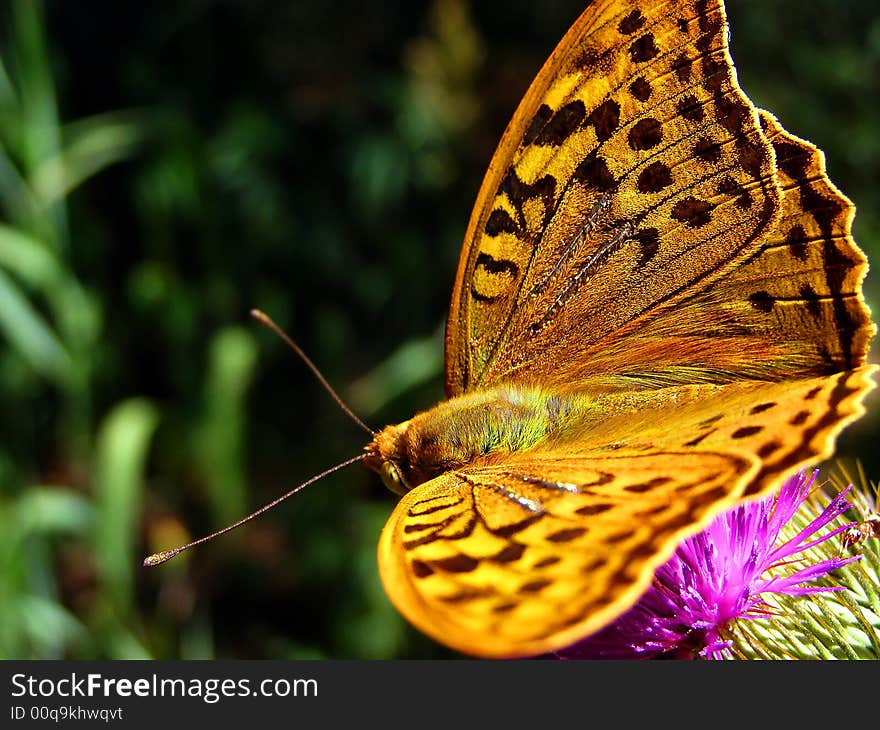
166 166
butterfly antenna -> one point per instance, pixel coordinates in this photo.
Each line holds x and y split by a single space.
264 320
161 557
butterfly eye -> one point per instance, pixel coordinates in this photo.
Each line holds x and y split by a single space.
392 478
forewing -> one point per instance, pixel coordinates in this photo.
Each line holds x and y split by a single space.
802 291
616 188
536 550
794 308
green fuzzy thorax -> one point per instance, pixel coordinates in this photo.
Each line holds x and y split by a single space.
476 425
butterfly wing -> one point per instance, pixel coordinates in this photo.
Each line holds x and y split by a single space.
801 293
528 554
792 309
617 186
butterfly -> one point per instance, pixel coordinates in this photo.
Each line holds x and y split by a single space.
657 315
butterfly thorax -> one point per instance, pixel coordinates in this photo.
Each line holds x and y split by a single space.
470 427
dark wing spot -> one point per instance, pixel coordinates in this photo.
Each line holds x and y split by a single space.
643 49
653 511
729 186
690 108
422 526
649 240
421 569
808 294
730 114
682 67
546 562
709 25
506 607
761 407
744 200
746 431
466 595
796 238
696 441
707 150
594 564
620 536
800 417
497 266
518 192
769 448
792 159
460 563
750 157
654 178
542 116
567 535
443 502
640 89
683 25
762 301
514 527
647 486
593 509
693 212
713 74
500 222
643 550
631 23
594 172
587 60
533 586
562 125
604 119
645 134
509 554
812 393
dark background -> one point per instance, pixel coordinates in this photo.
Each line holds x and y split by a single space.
167 166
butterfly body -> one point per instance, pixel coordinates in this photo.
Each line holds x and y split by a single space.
477 427
489 426
657 314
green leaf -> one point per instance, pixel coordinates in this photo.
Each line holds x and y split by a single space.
90 145
413 364
28 258
122 445
48 625
233 356
30 335
53 510
39 130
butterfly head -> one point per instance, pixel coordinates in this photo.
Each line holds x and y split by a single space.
387 454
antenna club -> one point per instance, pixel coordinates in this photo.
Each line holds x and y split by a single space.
159 558
260 316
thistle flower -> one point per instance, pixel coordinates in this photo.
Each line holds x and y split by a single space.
725 590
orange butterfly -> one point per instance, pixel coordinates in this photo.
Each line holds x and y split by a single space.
657 314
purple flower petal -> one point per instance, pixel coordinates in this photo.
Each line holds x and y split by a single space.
719 576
